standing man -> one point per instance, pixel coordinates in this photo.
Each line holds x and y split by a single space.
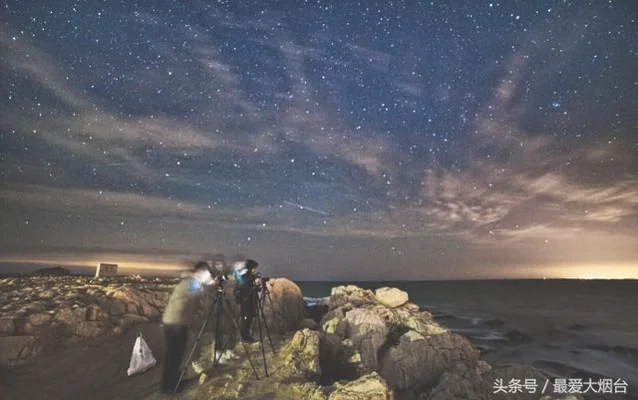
247 298
180 313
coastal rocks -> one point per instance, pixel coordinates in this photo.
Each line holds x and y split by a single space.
462 383
393 338
352 295
339 359
368 332
331 321
391 297
418 361
283 307
300 357
137 301
367 387
44 312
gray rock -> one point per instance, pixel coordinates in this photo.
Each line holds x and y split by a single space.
357 297
368 332
418 361
391 297
367 387
463 383
284 308
332 320
300 357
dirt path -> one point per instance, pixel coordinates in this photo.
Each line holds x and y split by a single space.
94 370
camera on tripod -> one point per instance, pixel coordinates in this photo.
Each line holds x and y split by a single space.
260 283
220 279
257 275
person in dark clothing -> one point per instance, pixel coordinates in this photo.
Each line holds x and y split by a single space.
180 313
247 298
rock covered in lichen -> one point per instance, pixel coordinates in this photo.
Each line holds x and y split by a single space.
367 387
300 357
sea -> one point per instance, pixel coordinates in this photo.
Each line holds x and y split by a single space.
578 329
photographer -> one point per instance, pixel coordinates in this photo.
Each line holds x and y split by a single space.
181 312
247 297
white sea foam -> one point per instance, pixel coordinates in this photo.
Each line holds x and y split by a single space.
312 301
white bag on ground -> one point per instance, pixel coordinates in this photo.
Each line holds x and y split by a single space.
142 357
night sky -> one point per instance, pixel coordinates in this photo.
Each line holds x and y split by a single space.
327 140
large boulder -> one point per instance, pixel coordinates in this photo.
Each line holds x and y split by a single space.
284 307
368 332
417 362
300 356
367 387
391 297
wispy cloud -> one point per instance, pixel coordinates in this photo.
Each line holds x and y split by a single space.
519 185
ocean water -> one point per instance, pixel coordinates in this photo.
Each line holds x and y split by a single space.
575 328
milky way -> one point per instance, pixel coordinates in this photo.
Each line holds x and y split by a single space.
328 140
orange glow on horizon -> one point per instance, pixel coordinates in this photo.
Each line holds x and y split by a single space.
134 263
625 270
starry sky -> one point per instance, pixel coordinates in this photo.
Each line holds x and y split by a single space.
327 140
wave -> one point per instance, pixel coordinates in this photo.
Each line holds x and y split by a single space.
312 301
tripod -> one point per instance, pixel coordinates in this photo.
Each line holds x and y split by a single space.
219 301
258 303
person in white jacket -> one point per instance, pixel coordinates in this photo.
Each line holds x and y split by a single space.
181 313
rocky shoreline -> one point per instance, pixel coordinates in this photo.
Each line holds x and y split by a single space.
362 344
38 314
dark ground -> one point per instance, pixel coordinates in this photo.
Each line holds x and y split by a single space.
93 370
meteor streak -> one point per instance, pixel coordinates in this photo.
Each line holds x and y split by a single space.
306 208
